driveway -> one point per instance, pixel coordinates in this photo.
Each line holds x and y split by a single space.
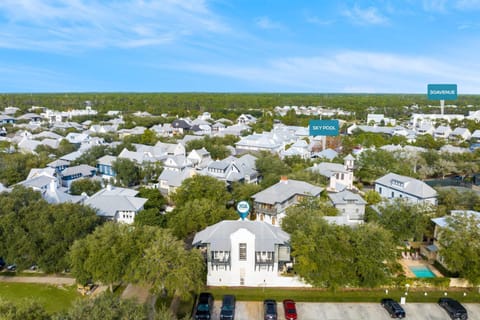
249 310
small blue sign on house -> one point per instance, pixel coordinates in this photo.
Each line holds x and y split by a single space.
323 127
243 208
442 91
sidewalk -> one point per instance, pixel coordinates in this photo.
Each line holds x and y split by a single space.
43 280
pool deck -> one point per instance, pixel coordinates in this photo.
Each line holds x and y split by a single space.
406 263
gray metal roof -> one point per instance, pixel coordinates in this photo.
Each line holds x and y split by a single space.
218 235
109 201
175 178
83 169
106 160
284 190
345 197
328 169
408 185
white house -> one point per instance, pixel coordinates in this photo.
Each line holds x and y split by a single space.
340 175
460 134
442 132
270 204
351 207
246 119
246 253
118 204
393 186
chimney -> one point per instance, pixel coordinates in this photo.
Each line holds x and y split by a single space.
53 185
284 179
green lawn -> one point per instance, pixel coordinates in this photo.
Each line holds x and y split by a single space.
53 298
363 295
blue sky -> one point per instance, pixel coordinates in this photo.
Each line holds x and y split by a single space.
383 46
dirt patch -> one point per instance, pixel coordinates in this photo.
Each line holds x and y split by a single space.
139 293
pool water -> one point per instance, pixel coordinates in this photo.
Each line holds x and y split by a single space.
422 272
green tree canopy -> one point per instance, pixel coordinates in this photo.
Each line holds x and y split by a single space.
33 231
201 187
406 220
128 174
22 310
107 307
460 246
88 186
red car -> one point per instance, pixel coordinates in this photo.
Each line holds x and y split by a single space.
290 309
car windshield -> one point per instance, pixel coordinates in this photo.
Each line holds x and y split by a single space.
291 310
203 307
227 307
270 308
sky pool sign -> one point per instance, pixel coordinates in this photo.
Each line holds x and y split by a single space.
243 209
442 92
323 127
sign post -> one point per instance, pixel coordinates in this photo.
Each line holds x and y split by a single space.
243 208
442 92
323 128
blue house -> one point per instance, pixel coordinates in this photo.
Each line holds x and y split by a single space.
71 174
104 166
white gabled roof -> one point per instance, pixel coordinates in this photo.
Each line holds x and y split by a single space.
112 199
284 190
218 235
407 185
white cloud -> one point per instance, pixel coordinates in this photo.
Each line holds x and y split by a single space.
468 4
435 5
370 15
317 21
267 23
347 71
72 24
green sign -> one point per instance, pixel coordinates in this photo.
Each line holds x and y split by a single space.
323 127
442 91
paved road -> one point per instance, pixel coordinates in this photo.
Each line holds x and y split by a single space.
45 280
347 311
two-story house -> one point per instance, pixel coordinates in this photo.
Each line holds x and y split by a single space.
71 174
340 176
393 186
246 253
117 204
270 204
104 166
351 208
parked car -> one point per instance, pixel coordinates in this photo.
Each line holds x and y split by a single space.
270 309
2 263
204 306
454 309
12 267
290 309
393 307
227 312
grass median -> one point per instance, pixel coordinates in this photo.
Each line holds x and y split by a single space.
54 298
344 295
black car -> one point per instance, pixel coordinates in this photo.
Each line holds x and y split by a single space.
394 309
204 306
227 312
2 263
454 309
270 309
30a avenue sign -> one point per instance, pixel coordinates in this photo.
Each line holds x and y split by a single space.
323 127
442 91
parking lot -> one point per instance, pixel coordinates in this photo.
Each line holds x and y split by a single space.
249 310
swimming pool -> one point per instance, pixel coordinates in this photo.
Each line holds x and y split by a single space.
422 271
